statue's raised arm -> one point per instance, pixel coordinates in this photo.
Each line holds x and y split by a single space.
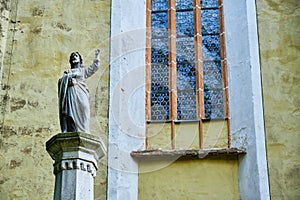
73 94
89 71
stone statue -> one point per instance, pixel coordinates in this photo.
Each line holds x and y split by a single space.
73 94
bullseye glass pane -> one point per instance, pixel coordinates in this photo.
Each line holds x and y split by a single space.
186 76
185 24
213 103
159 105
210 22
185 51
211 47
212 69
185 59
159 61
159 5
159 24
209 3
159 51
186 106
159 79
212 75
184 4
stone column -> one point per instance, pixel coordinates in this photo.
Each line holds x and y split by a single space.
75 158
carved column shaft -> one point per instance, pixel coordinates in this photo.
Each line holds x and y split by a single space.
75 158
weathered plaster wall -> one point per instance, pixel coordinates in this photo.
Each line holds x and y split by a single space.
279 30
180 180
40 37
4 21
215 135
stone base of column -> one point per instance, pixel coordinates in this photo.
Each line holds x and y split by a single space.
75 158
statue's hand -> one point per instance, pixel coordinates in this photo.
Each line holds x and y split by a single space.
72 73
68 72
97 53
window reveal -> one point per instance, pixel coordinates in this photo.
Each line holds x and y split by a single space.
186 63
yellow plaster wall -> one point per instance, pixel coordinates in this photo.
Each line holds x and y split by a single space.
187 136
189 180
279 37
40 37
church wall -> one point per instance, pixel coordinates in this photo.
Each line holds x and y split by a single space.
193 179
278 24
40 37
37 38
247 128
4 21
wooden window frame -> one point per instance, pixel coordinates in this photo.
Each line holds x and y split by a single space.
173 69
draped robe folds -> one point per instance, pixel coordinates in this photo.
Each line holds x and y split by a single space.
73 94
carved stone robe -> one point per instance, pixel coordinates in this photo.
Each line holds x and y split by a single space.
73 94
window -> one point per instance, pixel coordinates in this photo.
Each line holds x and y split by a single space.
186 63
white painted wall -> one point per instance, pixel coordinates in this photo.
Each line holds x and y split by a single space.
245 97
127 97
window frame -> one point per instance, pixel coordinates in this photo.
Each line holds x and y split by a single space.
172 65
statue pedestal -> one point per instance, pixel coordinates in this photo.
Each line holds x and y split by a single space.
75 158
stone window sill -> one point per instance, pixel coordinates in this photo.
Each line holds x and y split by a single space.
188 154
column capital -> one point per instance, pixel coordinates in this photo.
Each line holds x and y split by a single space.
75 145
75 158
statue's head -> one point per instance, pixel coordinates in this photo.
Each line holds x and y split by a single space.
75 58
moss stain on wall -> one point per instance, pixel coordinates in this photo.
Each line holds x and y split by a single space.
41 38
279 30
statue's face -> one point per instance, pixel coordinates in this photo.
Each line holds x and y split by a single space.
75 58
